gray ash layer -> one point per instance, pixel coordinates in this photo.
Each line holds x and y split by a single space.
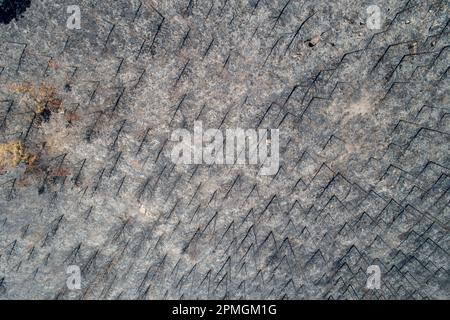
86 176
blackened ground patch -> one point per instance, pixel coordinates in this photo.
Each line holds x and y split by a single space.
12 9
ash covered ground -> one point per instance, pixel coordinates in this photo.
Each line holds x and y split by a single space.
86 176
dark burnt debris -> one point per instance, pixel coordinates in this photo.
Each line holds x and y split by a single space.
12 9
